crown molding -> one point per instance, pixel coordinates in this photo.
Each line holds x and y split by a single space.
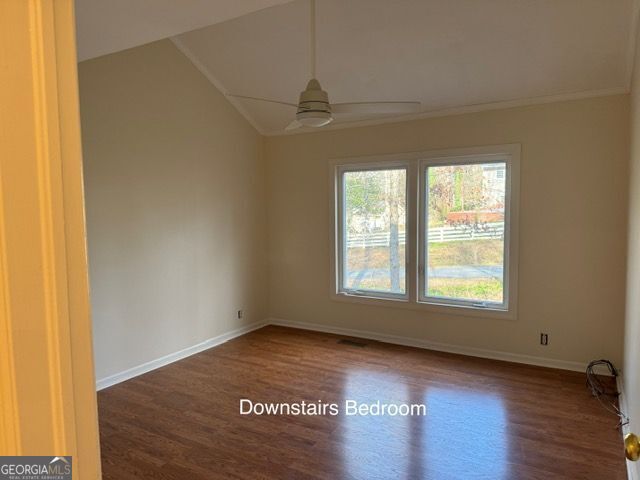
633 41
216 83
445 112
475 108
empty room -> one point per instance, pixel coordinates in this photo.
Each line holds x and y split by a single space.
319 239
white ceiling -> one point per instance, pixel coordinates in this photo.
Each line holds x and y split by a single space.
451 55
107 26
444 53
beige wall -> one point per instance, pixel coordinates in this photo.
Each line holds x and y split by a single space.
175 207
572 227
631 372
178 196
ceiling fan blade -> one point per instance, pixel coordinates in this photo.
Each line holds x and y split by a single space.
376 108
293 125
263 100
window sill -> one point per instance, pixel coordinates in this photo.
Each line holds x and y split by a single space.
444 309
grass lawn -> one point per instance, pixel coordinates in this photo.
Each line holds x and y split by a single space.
475 252
379 257
467 288
440 254
472 252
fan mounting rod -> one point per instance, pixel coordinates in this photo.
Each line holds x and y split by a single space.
312 35
314 108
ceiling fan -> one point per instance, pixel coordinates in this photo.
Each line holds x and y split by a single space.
313 107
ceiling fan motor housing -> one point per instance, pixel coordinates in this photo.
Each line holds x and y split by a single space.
314 109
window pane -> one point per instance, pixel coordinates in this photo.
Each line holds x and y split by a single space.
465 231
374 230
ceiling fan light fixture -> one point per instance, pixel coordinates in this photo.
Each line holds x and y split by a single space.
314 118
313 107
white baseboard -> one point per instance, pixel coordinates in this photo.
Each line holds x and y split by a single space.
395 339
440 347
632 467
174 357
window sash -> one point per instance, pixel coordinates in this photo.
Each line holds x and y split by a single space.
423 229
341 230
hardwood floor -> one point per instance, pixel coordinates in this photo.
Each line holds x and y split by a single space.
484 419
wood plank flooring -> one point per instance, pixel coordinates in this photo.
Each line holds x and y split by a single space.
484 419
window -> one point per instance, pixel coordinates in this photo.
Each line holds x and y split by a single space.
373 221
434 230
464 218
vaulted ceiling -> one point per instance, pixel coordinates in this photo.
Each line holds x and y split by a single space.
448 54
107 26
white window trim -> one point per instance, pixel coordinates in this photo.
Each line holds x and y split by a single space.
415 163
339 224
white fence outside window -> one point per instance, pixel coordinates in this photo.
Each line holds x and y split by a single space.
493 230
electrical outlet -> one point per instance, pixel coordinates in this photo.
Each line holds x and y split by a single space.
240 313
544 339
